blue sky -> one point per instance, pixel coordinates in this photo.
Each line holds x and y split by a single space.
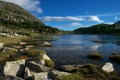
72 14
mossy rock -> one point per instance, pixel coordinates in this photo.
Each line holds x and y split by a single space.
71 77
49 63
115 58
95 56
34 52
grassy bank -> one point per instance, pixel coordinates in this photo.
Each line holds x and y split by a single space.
12 40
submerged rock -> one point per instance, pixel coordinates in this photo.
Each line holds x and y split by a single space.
14 68
108 67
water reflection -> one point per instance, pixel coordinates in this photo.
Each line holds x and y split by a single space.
73 49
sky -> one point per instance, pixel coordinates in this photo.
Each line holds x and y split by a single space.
72 14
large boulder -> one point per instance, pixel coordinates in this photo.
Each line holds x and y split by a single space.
1 45
14 68
108 67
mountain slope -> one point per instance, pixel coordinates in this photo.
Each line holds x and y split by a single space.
100 29
13 17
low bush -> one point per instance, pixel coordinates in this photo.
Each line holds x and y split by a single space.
95 56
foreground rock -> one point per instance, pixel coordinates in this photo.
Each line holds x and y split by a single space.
14 68
108 67
40 72
43 76
10 78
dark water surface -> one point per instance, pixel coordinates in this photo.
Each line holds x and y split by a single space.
73 48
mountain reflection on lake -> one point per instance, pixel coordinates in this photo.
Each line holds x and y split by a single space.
73 48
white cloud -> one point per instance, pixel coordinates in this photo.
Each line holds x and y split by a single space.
72 18
31 5
95 18
117 18
59 18
110 23
73 24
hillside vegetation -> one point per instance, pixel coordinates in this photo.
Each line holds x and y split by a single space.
13 18
100 29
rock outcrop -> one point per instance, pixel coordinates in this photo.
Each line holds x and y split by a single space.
108 67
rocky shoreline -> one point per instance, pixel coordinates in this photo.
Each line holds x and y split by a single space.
33 64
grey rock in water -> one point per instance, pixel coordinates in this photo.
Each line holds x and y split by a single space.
14 68
108 67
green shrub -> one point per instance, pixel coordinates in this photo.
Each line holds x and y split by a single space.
95 56
49 63
115 57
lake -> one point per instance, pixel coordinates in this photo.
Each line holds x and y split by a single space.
74 48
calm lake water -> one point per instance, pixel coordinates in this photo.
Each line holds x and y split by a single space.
73 48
